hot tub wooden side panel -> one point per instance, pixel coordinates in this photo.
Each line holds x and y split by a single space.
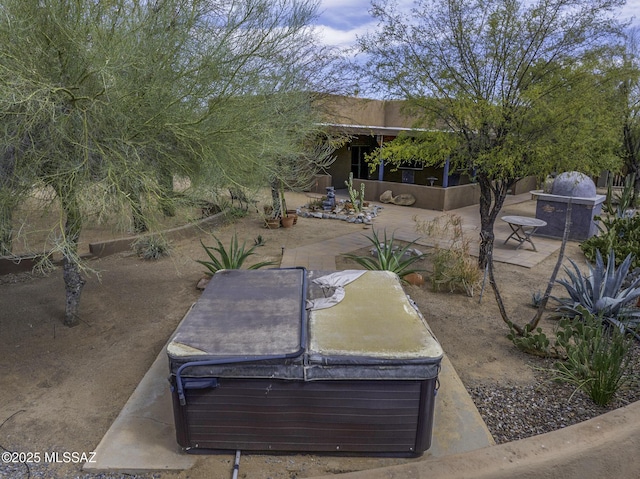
359 417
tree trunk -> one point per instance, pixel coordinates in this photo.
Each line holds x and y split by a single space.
492 196
9 198
167 204
73 280
139 221
6 229
533 324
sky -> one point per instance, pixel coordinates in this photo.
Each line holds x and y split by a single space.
341 21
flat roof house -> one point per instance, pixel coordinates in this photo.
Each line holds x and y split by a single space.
372 123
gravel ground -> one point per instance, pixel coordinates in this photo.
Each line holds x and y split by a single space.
44 471
518 412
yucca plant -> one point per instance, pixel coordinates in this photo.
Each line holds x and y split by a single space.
231 258
601 294
388 256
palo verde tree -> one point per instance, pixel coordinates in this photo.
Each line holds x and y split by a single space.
102 103
515 88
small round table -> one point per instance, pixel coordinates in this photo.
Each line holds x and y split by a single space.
522 228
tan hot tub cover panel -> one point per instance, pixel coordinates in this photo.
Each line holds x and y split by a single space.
375 319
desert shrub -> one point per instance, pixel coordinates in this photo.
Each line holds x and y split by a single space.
618 234
388 256
620 204
234 213
454 270
233 257
152 247
590 354
453 266
620 229
597 359
316 204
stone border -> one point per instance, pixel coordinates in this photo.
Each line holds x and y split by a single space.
26 262
106 248
22 263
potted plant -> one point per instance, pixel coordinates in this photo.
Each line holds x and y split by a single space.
272 223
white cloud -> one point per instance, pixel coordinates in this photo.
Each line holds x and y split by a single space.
341 21
344 15
342 38
631 10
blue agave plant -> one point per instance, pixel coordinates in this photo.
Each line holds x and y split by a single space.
600 292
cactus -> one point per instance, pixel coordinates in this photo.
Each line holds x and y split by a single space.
357 199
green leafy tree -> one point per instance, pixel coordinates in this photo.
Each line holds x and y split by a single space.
630 97
104 103
515 88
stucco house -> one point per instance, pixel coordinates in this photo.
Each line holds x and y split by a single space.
371 123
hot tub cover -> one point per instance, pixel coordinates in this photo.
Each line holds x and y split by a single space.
252 324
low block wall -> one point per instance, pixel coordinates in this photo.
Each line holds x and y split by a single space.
427 197
21 263
320 184
524 185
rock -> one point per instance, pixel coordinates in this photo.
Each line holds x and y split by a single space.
202 284
386 197
403 199
414 278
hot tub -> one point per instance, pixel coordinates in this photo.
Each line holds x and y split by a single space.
252 368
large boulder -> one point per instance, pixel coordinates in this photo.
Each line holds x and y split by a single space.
404 199
386 197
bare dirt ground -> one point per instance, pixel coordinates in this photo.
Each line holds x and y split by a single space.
61 388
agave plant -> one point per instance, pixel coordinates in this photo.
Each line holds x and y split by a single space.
231 258
600 292
388 256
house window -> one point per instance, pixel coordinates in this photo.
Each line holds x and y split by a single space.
359 166
408 176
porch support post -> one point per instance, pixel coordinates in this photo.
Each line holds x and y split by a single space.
380 141
445 174
381 171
